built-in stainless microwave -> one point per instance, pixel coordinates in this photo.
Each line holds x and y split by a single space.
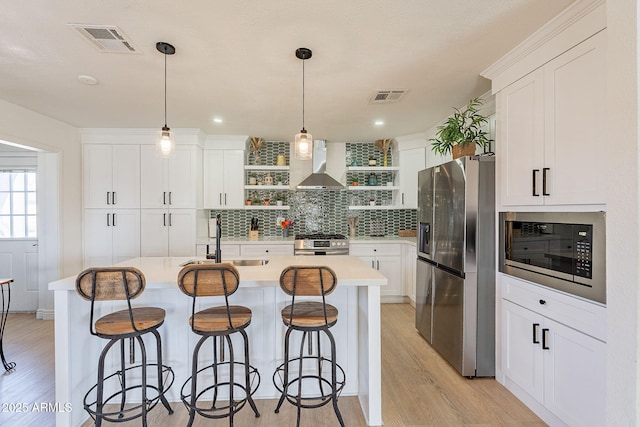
562 250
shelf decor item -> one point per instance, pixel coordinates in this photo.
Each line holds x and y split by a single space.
384 145
256 144
286 225
462 131
354 180
353 224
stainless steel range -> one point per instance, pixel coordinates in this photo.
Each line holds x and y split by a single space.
321 244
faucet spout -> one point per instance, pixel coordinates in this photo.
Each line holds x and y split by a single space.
218 253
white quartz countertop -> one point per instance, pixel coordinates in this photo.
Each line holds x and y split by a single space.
162 272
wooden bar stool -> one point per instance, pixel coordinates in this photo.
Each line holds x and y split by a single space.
221 321
309 317
113 284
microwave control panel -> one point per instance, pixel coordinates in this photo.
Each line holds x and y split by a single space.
583 250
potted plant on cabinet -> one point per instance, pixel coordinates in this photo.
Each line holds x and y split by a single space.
462 131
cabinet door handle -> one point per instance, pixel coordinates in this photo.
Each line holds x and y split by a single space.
164 219
402 199
377 265
544 181
169 200
372 265
225 199
164 197
545 339
535 333
113 219
108 199
534 191
220 199
113 198
108 220
170 218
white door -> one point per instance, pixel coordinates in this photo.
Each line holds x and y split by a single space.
19 261
182 184
233 197
411 161
153 175
126 176
126 234
182 232
97 238
97 171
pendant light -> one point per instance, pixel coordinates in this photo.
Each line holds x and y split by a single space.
304 141
165 140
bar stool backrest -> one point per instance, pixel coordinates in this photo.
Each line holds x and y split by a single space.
297 280
110 283
206 280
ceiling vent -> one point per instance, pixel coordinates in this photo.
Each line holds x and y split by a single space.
387 96
107 38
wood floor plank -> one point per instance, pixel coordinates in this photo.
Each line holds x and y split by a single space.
419 388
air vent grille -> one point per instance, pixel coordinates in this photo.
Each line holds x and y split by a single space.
107 38
387 96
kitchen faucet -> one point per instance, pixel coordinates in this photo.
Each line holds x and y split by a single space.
217 255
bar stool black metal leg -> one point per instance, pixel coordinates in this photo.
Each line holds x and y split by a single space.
231 380
285 381
214 367
100 384
8 366
144 382
334 374
194 376
247 382
299 394
123 379
163 399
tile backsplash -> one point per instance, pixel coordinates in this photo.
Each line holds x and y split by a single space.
321 210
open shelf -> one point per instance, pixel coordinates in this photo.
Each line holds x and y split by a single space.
372 187
266 168
263 207
267 187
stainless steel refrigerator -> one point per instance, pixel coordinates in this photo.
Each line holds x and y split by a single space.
455 277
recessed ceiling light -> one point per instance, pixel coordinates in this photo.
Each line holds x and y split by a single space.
88 80
217 119
379 122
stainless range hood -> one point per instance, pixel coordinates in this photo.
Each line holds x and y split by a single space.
319 179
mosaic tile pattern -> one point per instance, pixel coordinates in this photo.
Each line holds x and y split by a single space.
322 210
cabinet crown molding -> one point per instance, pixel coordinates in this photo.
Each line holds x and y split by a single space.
576 23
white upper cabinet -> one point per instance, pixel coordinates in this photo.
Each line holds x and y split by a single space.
551 128
223 179
411 162
111 176
172 182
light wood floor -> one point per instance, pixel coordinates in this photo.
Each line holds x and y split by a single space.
418 387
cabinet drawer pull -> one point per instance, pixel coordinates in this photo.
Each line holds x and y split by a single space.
545 339
535 333
542 302
544 181
377 265
533 182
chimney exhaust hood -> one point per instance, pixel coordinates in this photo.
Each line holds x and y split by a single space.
319 179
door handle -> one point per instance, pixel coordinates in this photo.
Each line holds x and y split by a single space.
534 191
225 199
535 333
113 197
545 339
108 220
170 219
372 265
164 197
220 199
164 219
169 203
377 265
113 219
108 200
544 181
402 199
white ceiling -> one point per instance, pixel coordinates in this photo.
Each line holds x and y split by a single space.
235 60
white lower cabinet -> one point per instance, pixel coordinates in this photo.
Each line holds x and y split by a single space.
409 256
386 258
169 232
110 236
546 358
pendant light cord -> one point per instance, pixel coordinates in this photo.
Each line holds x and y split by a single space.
165 89
303 94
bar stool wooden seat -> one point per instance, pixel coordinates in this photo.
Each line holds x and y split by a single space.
221 280
113 284
309 317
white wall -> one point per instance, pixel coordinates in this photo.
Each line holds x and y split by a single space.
21 126
620 155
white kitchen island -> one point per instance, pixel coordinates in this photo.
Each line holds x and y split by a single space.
357 332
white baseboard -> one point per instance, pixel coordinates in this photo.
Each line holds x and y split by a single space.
44 314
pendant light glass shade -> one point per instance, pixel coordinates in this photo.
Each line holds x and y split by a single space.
303 145
164 143
304 141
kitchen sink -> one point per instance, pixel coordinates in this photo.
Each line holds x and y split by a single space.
236 262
